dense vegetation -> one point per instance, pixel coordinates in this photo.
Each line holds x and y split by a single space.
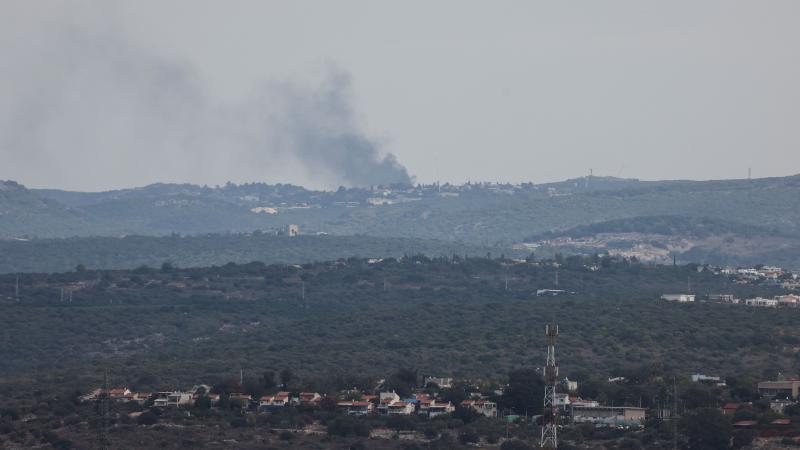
348 323
440 316
59 255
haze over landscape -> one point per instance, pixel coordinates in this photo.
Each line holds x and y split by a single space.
527 92
359 225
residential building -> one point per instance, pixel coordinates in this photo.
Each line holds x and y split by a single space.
439 409
609 416
172 399
572 386
309 398
788 300
730 408
271 403
401 408
779 389
681 298
118 393
356 408
761 302
444 383
485 407
700 378
779 405
577 402
724 298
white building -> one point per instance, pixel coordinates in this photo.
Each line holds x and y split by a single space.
681 298
444 383
761 302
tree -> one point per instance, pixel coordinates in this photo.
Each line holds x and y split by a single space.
708 429
515 445
286 377
525 391
268 380
147 418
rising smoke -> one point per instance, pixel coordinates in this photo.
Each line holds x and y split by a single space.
89 109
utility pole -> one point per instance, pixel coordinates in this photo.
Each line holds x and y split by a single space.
674 414
105 413
549 426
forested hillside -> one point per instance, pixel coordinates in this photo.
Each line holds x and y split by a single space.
447 316
59 255
477 213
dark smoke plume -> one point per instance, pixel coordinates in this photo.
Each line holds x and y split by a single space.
90 109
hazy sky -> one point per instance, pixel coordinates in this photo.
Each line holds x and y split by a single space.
97 95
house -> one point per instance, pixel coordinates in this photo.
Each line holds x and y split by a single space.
788 300
487 408
730 408
779 405
309 398
609 416
577 401
681 298
200 389
94 395
400 408
779 389
444 383
562 400
356 408
439 409
388 397
432 408
745 424
761 302
724 298
240 399
385 399
572 386
271 403
172 399
119 393
141 397
700 378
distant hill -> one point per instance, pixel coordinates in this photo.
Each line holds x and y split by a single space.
688 239
484 214
26 213
685 226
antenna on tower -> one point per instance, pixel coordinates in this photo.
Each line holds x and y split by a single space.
550 411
